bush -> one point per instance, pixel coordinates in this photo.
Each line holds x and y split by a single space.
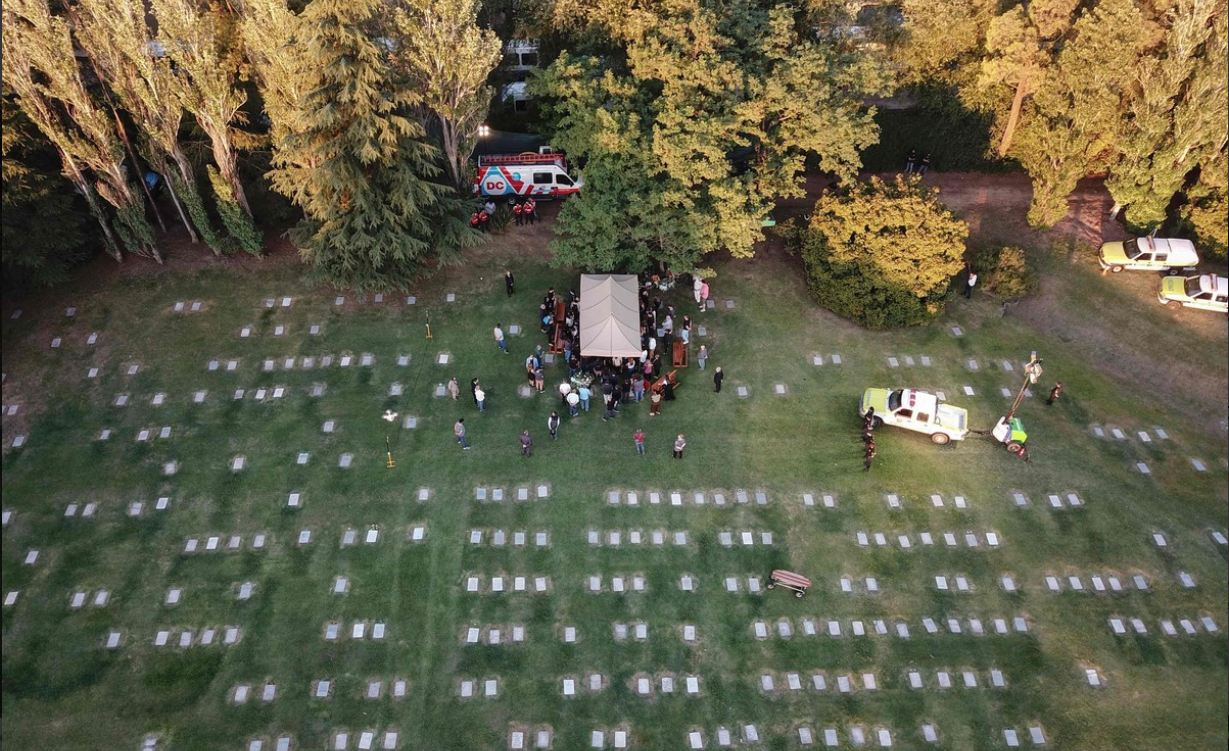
1006 273
881 253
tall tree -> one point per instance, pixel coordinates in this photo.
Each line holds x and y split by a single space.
442 50
43 232
696 121
882 253
41 67
116 36
1178 117
268 28
355 160
192 35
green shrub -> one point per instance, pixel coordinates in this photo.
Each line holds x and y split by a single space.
1006 272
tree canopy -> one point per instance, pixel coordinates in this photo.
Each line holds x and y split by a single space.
692 119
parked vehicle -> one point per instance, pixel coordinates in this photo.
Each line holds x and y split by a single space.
1206 292
543 174
918 411
1149 254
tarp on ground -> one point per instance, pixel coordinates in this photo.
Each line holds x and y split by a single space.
609 315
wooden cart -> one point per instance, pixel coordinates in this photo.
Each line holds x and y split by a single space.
788 579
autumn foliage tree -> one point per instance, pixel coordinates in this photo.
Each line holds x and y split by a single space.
880 253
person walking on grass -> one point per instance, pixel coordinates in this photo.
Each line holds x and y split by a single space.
552 424
680 443
454 390
458 430
701 356
526 444
638 439
480 397
500 341
1054 393
509 282
718 377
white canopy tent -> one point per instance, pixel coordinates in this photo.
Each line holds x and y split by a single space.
609 315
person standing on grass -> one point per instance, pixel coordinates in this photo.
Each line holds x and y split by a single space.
539 379
924 167
531 210
638 387
1054 393
500 341
704 296
680 443
454 390
970 283
910 161
701 356
480 397
458 430
573 403
526 444
696 286
718 377
655 403
510 283
552 424
638 439
869 456
517 210
473 389
585 395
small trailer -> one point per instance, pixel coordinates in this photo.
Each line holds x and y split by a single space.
788 579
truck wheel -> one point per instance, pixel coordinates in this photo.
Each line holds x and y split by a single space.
1116 269
1014 447
940 438
876 423
1174 304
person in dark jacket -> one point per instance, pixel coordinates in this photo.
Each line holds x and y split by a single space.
510 283
718 377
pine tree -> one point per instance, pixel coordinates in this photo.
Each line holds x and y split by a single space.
356 163
193 38
116 36
43 227
441 49
40 66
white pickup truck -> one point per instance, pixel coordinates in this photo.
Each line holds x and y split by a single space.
918 411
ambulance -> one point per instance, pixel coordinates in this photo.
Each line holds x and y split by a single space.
542 175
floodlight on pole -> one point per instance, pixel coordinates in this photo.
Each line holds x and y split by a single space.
484 130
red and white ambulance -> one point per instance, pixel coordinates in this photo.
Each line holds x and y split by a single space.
542 175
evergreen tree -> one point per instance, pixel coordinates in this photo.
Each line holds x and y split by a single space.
882 254
694 124
198 42
355 160
115 35
447 57
40 66
43 232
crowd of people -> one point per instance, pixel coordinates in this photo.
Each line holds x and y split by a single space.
607 383
524 211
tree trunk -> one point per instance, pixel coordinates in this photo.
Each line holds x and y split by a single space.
77 178
449 138
182 216
1013 120
224 157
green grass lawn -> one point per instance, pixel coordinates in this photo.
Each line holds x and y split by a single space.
64 690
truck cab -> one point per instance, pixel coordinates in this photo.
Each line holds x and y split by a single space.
918 411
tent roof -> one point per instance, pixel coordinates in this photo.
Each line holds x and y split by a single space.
609 315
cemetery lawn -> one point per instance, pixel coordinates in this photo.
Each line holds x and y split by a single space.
63 689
